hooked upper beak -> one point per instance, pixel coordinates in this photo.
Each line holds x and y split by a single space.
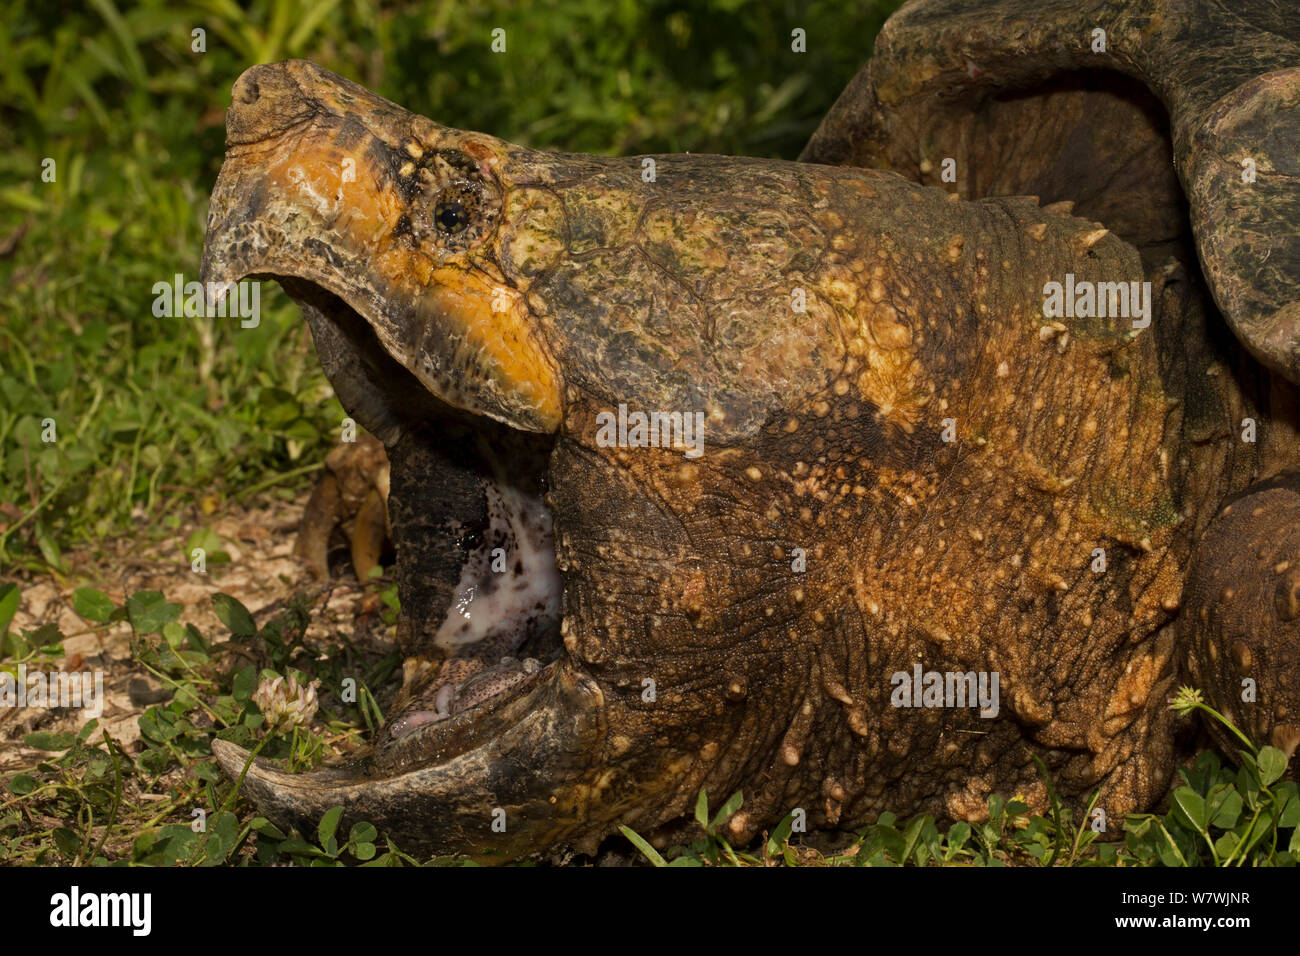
313 189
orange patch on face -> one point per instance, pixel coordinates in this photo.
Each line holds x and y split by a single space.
496 321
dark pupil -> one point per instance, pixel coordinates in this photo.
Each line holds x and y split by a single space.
450 216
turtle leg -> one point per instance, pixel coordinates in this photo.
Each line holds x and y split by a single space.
352 493
318 521
370 534
1241 623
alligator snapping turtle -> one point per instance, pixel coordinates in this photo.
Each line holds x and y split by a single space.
987 387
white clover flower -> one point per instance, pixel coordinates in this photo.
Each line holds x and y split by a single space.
286 704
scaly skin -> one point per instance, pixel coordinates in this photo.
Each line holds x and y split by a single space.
824 432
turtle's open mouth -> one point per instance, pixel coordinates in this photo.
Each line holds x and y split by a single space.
493 713
475 555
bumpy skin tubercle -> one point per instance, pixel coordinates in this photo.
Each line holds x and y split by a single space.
905 465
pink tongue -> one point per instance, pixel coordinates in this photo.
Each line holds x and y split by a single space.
481 686
418 718
415 719
509 587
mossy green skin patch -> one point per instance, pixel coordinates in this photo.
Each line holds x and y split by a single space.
906 463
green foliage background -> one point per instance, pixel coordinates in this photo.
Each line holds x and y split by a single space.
150 411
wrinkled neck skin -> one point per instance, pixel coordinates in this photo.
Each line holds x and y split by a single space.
830 537
902 465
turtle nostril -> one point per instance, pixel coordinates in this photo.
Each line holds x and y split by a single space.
265 101
257 83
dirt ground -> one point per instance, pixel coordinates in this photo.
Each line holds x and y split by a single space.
262 573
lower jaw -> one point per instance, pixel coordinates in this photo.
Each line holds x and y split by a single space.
529 759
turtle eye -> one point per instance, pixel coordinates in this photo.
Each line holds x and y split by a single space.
461 205
451 216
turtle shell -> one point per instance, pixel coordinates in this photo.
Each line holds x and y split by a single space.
1087 101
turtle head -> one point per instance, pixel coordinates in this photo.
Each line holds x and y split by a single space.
330 186
610 352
